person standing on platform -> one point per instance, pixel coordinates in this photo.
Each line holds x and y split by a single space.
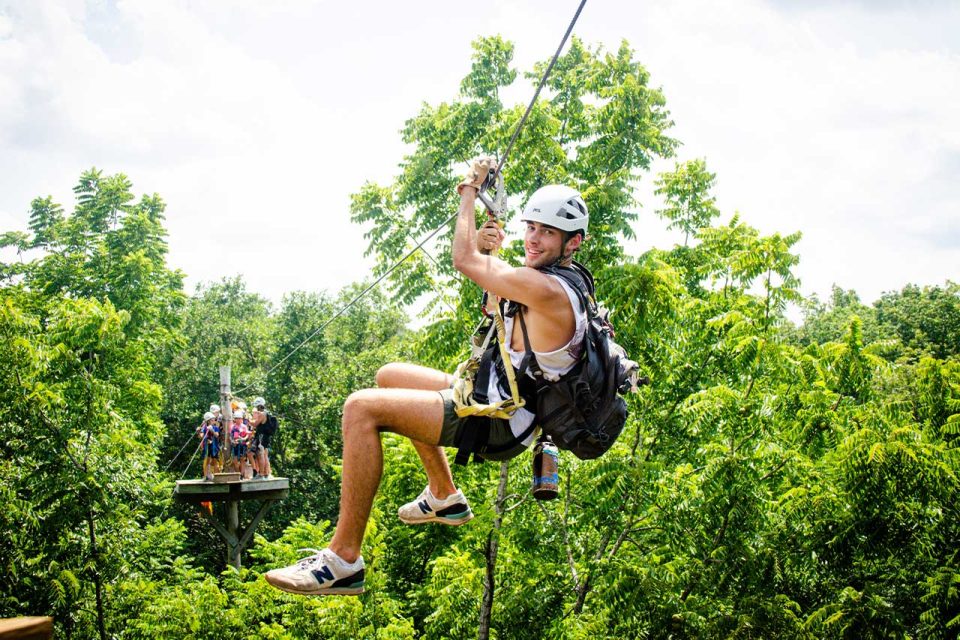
239 437
209 434
265 426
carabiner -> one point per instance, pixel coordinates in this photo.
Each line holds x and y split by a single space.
498 202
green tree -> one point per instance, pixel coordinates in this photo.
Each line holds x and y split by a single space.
81 424
599 125
828 322
686 192
84 320
111 248
925 319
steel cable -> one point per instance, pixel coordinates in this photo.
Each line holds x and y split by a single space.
500 164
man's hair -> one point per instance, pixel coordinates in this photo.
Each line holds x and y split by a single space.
570 234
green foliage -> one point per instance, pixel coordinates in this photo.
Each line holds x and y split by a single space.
686 191
80 422
597 124
926 320
923 321
772 482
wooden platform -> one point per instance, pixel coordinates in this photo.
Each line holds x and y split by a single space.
267 492
195 491
36 628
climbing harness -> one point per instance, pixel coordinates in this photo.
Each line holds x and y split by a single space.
466 374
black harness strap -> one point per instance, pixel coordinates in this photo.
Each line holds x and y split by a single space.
473 438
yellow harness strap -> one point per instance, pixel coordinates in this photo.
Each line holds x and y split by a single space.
466 373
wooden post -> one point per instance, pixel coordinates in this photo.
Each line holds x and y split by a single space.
233 526
233 505
226 410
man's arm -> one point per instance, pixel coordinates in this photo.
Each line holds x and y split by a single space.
520 284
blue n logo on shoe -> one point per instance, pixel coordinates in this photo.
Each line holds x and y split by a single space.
322 574
424 506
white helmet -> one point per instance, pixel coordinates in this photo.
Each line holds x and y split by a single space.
259 402
558 206
208 416
238 414
215 408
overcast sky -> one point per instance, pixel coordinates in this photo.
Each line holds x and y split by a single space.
255 120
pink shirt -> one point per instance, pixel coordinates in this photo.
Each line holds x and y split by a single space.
239 433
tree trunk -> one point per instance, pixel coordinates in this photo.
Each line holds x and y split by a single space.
493 539
97 582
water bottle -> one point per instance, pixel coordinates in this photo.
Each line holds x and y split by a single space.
546 476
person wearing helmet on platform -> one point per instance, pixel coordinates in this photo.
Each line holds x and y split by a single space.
217 415
239 437
418 402
265 425
221 422
209 434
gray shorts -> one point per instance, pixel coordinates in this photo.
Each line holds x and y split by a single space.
499 431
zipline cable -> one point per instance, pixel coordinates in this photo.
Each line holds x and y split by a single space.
503 161
543 81
191 460
169 464
354 301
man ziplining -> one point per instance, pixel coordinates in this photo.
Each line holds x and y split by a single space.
419 403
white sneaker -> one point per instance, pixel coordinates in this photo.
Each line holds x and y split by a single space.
323 573
452 510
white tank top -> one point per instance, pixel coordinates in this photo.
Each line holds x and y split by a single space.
553 363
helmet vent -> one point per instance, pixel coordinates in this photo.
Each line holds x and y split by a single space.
574 202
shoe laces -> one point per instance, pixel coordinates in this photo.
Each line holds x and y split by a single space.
315 558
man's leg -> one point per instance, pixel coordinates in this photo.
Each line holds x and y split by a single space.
413 413
399 375
265 461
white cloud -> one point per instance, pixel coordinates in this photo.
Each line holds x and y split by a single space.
256 123
809 131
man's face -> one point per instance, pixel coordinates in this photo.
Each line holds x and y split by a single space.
542 244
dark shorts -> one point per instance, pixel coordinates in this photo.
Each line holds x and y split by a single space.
499 431
263 440
239 450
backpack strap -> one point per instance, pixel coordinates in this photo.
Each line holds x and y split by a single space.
529 357
473 437
581 281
